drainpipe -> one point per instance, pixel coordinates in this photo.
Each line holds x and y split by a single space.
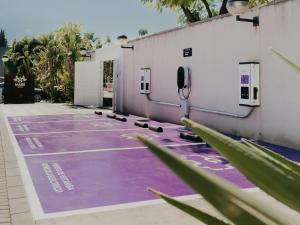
162 103
201 109
241 116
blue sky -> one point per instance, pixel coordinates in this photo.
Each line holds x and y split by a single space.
104 17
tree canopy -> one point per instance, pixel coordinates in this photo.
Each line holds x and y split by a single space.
143 31
51 58
3 40
190 11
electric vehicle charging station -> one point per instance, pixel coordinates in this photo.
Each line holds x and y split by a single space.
249 90
183 77
184 85
145 81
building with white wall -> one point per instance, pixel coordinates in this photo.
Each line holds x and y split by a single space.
218 46
89 78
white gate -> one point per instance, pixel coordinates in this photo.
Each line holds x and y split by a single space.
88 84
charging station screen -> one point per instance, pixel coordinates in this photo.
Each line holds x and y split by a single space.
245 79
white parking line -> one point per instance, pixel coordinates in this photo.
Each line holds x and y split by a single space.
126 205
81 131
61 121
107 149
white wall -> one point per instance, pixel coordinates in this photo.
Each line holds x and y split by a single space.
114 52
88 84
108 53
218 46
89 77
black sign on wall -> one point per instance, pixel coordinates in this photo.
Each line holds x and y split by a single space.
18 88
187 52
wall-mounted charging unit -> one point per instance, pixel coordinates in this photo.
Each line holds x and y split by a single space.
145 81
183 77
184 88
249 91
184 82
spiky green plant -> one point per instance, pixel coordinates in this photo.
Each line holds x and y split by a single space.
286 60
274 174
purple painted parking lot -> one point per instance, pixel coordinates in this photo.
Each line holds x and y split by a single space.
115 177
80 125
90 140
56 118
87 161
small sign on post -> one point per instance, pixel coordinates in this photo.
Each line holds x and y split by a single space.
187 52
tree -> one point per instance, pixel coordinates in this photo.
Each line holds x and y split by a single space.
71 39
190 11
51 58
3 40
98 44
90 39
49 65
21 56
143 31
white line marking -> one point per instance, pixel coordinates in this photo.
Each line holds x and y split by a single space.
30 143
75 120
21 129
81 131
26 128
17 119
126 206
37 142
33 199
107 149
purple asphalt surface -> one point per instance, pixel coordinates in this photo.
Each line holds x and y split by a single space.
65 126
86 161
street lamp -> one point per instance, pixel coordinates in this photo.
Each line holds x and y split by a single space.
238 7
123 40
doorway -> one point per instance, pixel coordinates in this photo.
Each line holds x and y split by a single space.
108 92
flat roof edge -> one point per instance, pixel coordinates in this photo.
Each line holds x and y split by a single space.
273 2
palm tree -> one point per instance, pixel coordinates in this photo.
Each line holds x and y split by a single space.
49 64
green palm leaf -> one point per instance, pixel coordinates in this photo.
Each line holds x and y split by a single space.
192 211
286 60
291 164
267 173
233 203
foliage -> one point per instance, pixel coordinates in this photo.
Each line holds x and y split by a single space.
272 173
22 54
143 31
277 176
189 11
51 58
287 61
107 72
3 40
98 44
49 64
253 3
198 214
